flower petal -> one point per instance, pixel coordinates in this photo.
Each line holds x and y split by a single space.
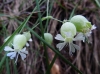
27 44
24 51
11 53
13 56
76 46
93 27
23 56
87 34
60 46
79 37
30 40
7 48
59 37
72 49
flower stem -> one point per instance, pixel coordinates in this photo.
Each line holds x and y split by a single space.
42 31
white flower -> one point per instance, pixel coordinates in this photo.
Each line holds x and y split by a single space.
18 44
88 33
14 53
68 40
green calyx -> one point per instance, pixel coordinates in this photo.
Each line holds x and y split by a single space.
81 23
27 35
68 39
19 41
68 27
48 38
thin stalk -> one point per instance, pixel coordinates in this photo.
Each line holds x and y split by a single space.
98 3
7 66
56 51
42 31
15 68
57 20
47 6
51 64
73 11
39 15
50 8
27 20
47 15
2 61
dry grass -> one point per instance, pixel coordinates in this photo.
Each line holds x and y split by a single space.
86 59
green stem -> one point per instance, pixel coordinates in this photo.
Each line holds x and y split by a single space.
15 68
47 6
42 31
7 66
51 64
57 20
39 15
2 61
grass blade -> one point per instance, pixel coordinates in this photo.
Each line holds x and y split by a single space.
2 61
7 66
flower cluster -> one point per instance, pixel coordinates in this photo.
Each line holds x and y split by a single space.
82 25
78 28
17 47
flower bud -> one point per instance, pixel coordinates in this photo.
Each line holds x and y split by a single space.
48 38
19 41
81 23
27 35
68 27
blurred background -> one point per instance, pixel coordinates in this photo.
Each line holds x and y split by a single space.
14 12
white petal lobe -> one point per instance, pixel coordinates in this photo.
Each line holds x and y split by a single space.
72 47
60 46
24 51
93 27
30 39
11 53
23 56
76 46
59 37
27 44
79 37
7 48
13 56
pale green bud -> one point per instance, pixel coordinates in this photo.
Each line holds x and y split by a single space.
68 27
48 38
27 35
19 41
81 23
